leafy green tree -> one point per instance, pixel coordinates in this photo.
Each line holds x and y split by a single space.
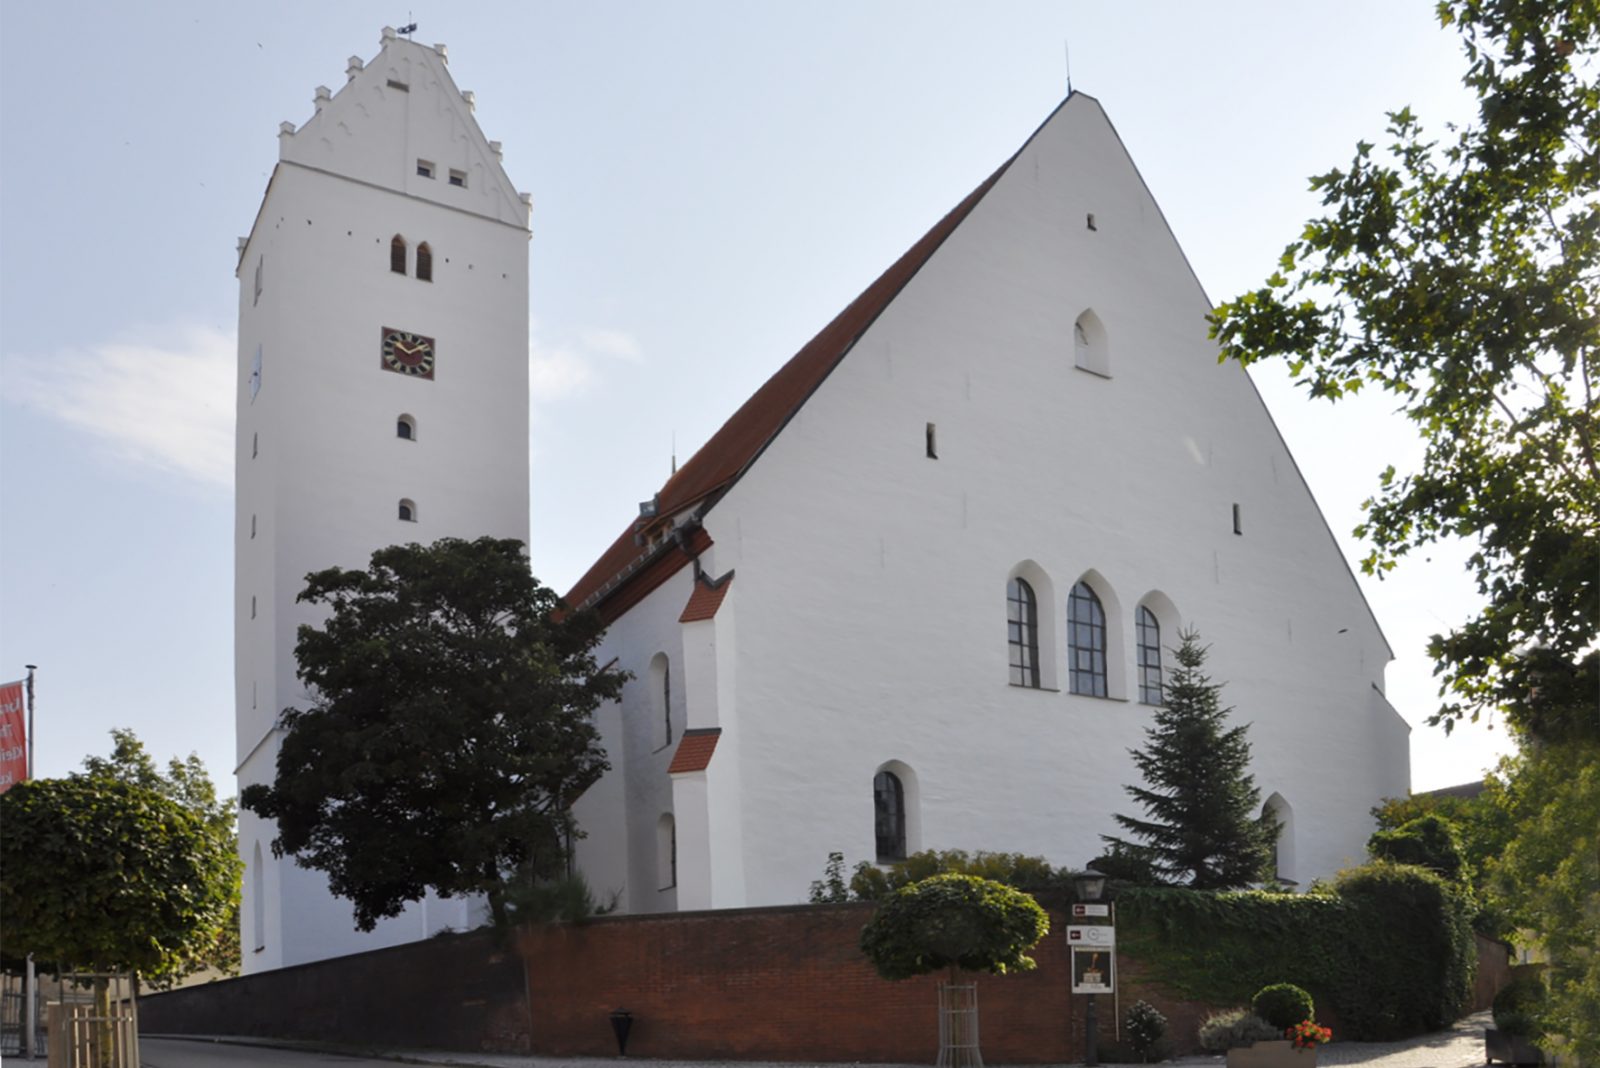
1203 827
102 875
1461 274
1549 877
872 883
953 922
189 784
451 733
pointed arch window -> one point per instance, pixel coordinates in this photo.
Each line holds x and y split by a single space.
397 255
1022 631
424 263
1086 641
889 816
1148 633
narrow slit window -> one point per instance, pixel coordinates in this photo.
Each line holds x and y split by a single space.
424 263
255 445
252 525
252 606
1092 226
932 441
1238 520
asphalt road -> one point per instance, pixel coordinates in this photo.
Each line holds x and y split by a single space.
177 1053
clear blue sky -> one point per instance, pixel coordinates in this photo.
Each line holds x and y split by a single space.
712 181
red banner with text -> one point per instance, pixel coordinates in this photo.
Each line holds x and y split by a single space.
13 736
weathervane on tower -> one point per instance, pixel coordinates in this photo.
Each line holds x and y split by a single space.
409 28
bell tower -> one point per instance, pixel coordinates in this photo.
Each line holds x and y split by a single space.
382 399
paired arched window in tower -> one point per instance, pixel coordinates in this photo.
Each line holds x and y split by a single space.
398 255
1086 641
889 816
1022 632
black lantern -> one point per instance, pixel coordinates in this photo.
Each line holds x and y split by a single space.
1089 884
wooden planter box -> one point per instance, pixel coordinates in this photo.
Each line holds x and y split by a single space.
1509 1049
1279 1054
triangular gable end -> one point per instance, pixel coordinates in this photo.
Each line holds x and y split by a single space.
400 123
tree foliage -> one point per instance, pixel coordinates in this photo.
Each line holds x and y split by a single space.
1461 274
1549 877
872 882
1428 841
953 921
104 875
1203 827
451 729
189 784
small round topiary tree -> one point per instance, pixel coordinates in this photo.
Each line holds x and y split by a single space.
1282 1005
960 923
1146 1027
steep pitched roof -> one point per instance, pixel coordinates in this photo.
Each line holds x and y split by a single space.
730 452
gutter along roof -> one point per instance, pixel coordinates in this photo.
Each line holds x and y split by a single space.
731 451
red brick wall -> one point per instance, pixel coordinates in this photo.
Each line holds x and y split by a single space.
791 984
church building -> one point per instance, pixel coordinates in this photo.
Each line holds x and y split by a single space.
917 592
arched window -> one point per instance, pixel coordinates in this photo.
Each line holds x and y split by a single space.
1148 636
424 263
666 852
1086 641
889 816
1022 631
1279 811
408 511
1090 348
406 427
661 696
397 255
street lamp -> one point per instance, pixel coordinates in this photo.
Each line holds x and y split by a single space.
1090 885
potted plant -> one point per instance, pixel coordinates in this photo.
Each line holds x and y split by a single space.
1287 1011
1516 1030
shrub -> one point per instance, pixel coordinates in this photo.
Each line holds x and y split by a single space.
1427 841
871 883
1145 1028
1282 1005
1516 1007
1235 1029
953 921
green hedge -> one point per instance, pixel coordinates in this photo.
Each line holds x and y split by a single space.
1389 949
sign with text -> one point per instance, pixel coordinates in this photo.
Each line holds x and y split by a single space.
1094 970
1079 935
13 736
1090 910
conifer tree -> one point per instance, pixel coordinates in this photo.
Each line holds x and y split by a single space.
1203 828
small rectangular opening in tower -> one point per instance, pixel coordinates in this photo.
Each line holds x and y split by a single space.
458 178
424 168
932 442
402 86
1238 520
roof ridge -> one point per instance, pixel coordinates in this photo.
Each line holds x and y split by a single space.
745 435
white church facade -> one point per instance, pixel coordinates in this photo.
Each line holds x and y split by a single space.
915 593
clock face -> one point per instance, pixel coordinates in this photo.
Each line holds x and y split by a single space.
407 353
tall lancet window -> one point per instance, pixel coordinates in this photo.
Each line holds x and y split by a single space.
424 263
397 255
1086 641
1022 627
1149 636
889 816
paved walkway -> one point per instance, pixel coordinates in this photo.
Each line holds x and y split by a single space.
1459 1047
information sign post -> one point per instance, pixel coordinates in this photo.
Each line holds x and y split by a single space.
1094 954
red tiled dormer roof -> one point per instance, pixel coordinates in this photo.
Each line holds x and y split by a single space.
694 750
723 459
706 599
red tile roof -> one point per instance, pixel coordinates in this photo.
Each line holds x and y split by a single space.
706 599
723 459
695 749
